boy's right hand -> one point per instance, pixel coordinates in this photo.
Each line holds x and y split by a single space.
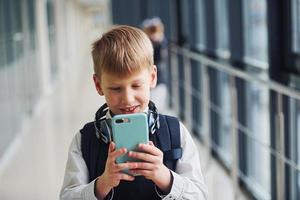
113 174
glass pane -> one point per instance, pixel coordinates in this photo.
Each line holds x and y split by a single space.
296 25
220 116
185 20
258 140
225 118
200 26
52 38
197 97
294 148
222 28
8 40
10 49
256 31
31 22
173 25
17 36
2 36
19 72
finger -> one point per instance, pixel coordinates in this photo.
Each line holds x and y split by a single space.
142 156
151 149
111 147
144 166
117 153
146 173
128 165
123 176
151 143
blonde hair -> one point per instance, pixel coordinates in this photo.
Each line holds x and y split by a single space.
122 51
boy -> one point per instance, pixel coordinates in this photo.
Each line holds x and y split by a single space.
124 75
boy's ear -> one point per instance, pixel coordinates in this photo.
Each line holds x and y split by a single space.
98 85
153 78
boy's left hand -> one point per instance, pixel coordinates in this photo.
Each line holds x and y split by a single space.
153 168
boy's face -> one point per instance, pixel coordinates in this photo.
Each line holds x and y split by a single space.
129 94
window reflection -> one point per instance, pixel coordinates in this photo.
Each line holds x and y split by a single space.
197 98
19 71
2 41
255 32
294 147
225 118
200 25
52 37
31 23
221 118
258 140
296 25
222 28
298 147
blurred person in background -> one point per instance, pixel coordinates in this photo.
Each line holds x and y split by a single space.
154 28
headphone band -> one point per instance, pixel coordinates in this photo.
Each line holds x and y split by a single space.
154 116
101 112
103 125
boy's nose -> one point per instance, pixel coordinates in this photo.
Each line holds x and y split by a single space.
127 98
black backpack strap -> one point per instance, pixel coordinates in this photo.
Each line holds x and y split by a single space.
169 140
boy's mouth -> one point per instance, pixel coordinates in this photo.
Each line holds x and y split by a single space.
129 110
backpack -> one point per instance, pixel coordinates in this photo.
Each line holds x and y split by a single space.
166 138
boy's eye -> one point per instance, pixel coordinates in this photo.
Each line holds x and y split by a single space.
115 89
136 86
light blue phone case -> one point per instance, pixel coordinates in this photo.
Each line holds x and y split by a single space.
129 130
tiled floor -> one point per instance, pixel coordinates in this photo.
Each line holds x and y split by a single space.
35 169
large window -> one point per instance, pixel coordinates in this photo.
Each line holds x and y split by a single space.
294 111
294 149
225 119
18 35
200 26
31 23
257 121
221 118
8 35
2 36
296 25
255 26
185 21
19 72
52 38
257 131
222 34
222 109
197 99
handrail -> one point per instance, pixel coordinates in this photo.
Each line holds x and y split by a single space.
230 69
278 151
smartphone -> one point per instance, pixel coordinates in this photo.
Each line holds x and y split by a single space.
128 131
